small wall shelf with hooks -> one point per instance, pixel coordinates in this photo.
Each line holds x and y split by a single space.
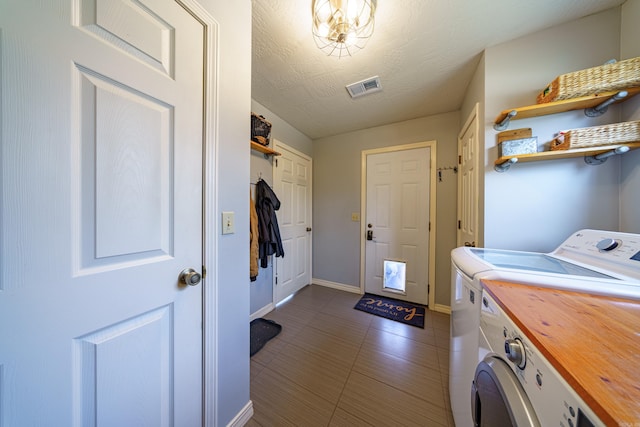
264 150
592 155
593 105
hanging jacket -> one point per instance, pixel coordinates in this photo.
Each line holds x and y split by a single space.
253 240
269 241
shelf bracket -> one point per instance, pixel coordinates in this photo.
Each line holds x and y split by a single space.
601 158
599 110
505 122
503 167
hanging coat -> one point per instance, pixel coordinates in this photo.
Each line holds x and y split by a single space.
253 240
269 241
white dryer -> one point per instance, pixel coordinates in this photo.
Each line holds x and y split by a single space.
594 261
515 385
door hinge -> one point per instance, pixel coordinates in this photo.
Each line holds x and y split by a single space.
459 160
459 224
429 225
276 280
276 162
428 288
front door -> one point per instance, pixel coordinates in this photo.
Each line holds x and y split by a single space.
102 133
292 184
397 223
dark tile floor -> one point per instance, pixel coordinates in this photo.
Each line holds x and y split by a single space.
335 366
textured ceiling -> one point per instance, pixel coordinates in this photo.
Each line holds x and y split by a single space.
425 52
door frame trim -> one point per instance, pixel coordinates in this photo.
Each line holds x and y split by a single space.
432 210
210 191
276 146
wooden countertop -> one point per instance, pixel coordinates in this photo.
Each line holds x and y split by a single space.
592 341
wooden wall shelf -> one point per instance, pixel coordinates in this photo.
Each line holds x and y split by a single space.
538 110
263 149
505 161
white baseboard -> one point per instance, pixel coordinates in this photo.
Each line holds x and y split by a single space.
440 308
243 416
263 311
339 286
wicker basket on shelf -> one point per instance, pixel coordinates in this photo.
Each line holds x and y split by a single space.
616 133
604 78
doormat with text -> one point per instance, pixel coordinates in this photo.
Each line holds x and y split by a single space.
389 308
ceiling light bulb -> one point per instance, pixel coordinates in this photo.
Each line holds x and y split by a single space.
353 10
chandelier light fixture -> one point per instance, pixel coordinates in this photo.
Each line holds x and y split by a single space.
342 27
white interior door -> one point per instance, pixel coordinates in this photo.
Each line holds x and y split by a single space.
102 133
396 223
292 185
468 182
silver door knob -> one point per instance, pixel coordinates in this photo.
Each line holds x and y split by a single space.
190 277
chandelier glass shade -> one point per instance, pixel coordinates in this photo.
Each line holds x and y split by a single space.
342 27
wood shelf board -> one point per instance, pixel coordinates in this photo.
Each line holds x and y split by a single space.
538 110
565 154
264 149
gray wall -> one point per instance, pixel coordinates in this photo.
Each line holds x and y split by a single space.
232 172
630 174
336 194
262 288
534 206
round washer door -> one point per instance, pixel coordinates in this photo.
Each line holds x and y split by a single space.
497 397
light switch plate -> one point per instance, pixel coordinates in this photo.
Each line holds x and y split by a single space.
228 223
355 216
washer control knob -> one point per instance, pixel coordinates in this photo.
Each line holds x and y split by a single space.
515 352
606 245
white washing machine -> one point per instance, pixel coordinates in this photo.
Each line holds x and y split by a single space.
594 261
515 385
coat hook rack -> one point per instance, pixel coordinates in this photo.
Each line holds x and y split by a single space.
453 168
601 158
600 109
504 124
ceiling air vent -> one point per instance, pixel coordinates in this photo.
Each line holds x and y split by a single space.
364 87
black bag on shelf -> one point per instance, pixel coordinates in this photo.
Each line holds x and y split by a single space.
260 129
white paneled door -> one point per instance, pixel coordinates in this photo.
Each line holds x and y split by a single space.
292 185
396 223
102 133
468 182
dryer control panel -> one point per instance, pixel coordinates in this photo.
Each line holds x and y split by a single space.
610 252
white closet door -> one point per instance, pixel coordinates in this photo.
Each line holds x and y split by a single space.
101 210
